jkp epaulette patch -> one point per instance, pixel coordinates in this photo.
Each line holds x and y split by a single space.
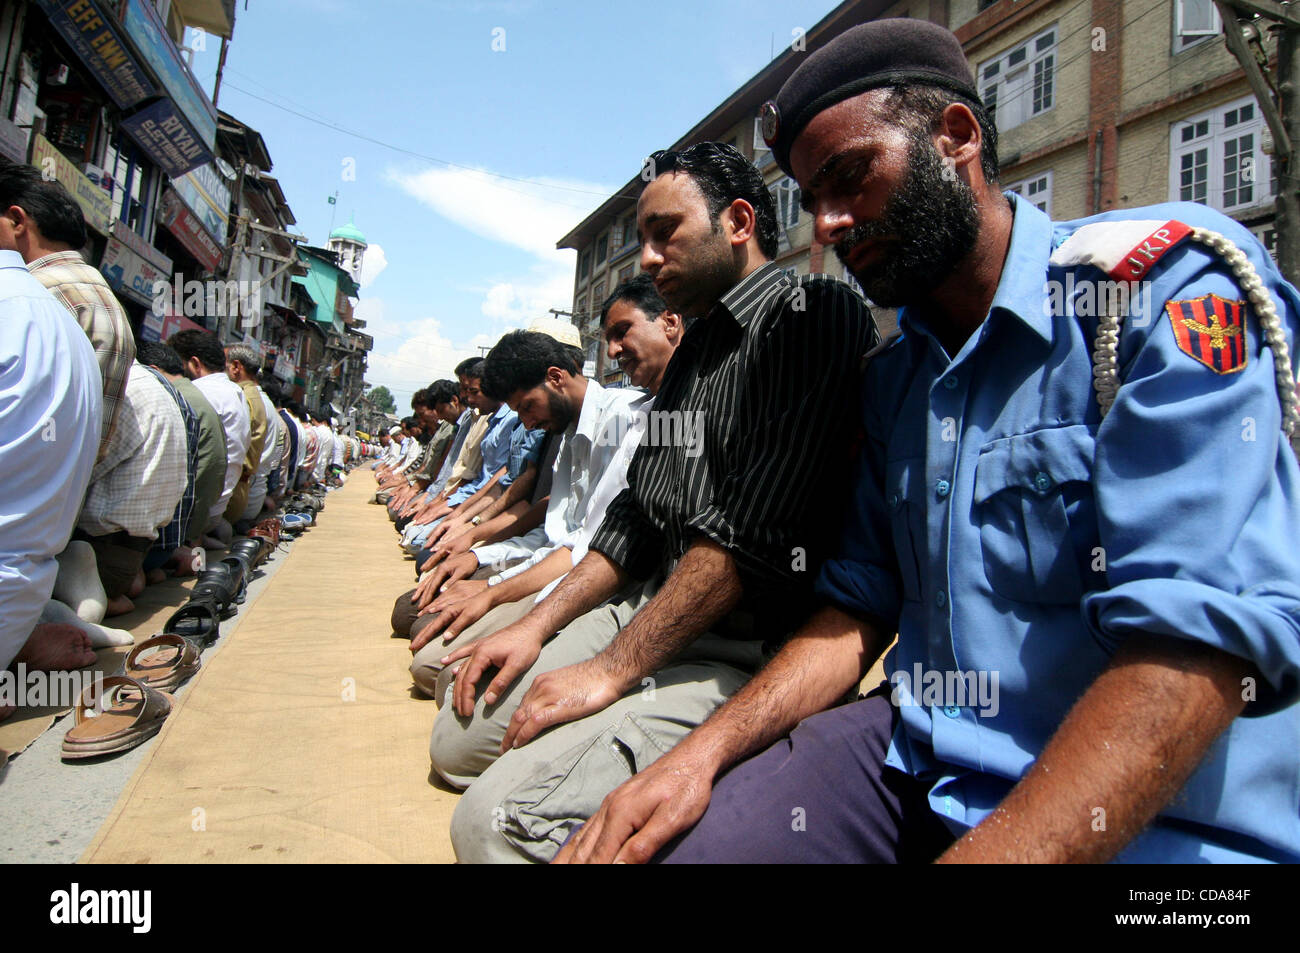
1212 330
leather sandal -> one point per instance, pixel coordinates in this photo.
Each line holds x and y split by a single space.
163 662
218 582
128 713
199 619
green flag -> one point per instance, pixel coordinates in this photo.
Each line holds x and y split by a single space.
331 200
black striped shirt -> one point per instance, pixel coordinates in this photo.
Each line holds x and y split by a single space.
773 375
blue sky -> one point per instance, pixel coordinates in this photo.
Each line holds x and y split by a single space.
532 138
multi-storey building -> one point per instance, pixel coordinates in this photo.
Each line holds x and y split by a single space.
1099 105
99 94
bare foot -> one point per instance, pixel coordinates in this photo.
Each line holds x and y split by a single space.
119 606
155 576
56 647
183 561
6 711
137 584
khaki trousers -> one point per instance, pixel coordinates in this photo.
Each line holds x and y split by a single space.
523 805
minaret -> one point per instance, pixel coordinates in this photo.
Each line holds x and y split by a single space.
350 245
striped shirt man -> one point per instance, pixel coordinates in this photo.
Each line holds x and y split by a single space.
749 442
82 290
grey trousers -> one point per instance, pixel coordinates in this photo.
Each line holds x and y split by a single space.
426 667
406 620
523 805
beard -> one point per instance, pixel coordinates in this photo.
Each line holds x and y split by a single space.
933 223
560 412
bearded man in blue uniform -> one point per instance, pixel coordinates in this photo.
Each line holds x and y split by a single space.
1077 509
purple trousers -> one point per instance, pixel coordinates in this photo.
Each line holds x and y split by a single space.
821 795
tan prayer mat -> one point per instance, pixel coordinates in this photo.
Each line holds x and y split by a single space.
301 739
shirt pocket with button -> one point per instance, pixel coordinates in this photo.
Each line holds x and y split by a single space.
904 496
1037 517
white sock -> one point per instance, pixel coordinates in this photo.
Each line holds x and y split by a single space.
100 636
78 584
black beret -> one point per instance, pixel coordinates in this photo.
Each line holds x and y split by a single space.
871 55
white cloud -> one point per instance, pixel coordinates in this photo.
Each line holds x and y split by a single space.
409 354
526 215
518 302
372 264
412 354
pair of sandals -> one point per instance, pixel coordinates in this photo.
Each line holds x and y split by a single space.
129 708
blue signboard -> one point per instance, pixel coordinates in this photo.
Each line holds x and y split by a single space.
96 41
146 32
168 139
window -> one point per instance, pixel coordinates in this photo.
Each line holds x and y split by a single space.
625 273
1037 190
629 232
602 247
785 193
584 264
1216 158
131 184
1195 21
1021 83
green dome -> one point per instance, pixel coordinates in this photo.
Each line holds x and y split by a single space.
349 233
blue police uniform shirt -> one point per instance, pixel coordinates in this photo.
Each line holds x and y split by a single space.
1011 534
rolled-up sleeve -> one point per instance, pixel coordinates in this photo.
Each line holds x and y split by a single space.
1198 493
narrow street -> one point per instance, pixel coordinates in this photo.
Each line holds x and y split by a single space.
299 741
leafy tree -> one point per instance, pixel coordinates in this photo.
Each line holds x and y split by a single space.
382 398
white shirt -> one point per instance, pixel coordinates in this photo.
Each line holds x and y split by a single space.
411 449
611 483
141 477
340 444
325 456
227 399
273 447
586 455
51 402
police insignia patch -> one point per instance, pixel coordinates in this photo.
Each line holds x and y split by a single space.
1211 330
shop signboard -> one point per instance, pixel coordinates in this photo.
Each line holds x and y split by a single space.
160 327
129 273
146 32
166 136
95 202
207 196
96 39
182 223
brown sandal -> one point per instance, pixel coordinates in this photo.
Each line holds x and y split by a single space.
175 659
130 713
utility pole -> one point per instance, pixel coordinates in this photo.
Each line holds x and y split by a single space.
1279 102
1288 180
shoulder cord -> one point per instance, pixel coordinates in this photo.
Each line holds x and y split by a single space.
1105 363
